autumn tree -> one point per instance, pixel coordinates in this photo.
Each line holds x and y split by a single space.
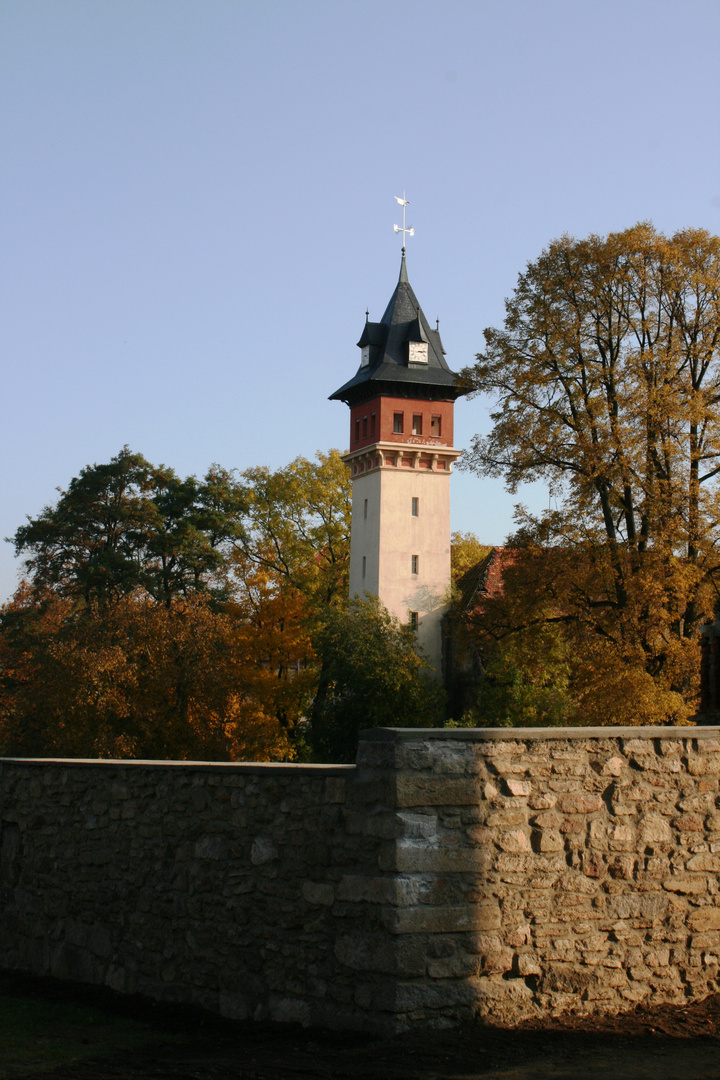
128 524
297 525
606 376
371 676
466 551
173 617
132 679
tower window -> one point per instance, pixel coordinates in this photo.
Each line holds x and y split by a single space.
365 510
364 427
372 423
357 431
415 507
415 564
414 620
435 426
417 424
397 423
364 562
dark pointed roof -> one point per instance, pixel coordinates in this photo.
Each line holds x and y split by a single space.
389 370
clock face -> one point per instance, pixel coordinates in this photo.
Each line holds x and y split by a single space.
418 352
365 356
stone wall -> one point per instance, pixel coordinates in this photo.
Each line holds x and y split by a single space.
231 887
449 874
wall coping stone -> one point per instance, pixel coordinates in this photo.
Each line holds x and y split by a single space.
506 734
259 768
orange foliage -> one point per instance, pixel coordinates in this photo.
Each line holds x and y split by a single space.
135 680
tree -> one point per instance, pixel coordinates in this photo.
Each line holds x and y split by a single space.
298 525
127 524
371 676
465 551
607 381
133 679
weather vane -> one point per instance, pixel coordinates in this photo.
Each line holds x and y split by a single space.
410 231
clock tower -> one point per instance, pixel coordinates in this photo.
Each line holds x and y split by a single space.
401 454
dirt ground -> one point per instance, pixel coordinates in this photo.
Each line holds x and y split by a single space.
680 1042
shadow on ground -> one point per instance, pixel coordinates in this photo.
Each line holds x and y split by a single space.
181 1044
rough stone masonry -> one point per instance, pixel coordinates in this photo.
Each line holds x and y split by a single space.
449 873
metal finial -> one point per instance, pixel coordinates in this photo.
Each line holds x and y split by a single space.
367 314
437 325
409 230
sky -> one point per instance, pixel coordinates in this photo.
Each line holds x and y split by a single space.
197 206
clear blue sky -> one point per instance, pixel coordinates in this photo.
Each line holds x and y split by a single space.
196 205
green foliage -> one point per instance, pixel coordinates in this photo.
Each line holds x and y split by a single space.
371 676
126 525
298 526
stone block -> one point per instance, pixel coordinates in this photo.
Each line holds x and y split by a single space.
705 861
688 823
318 893
519 788
701 764
453 967
355 888
514 841
506 818
704 918
496 962
437 791
506 1000
710 939
335 789
686 884
528 964
448 760
410 857
702 803
580 803
518 936
543 800
654 830
448 919
548 819
416 826
622 838
288 1010
547 840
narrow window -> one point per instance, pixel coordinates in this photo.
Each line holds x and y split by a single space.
415 507
413 620
415 562
357 431
364 427
364 567
372 423
397 423
417 424
435 426
365 510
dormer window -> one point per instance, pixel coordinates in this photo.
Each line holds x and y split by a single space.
417 352
365 356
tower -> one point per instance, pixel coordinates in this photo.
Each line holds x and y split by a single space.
401 453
